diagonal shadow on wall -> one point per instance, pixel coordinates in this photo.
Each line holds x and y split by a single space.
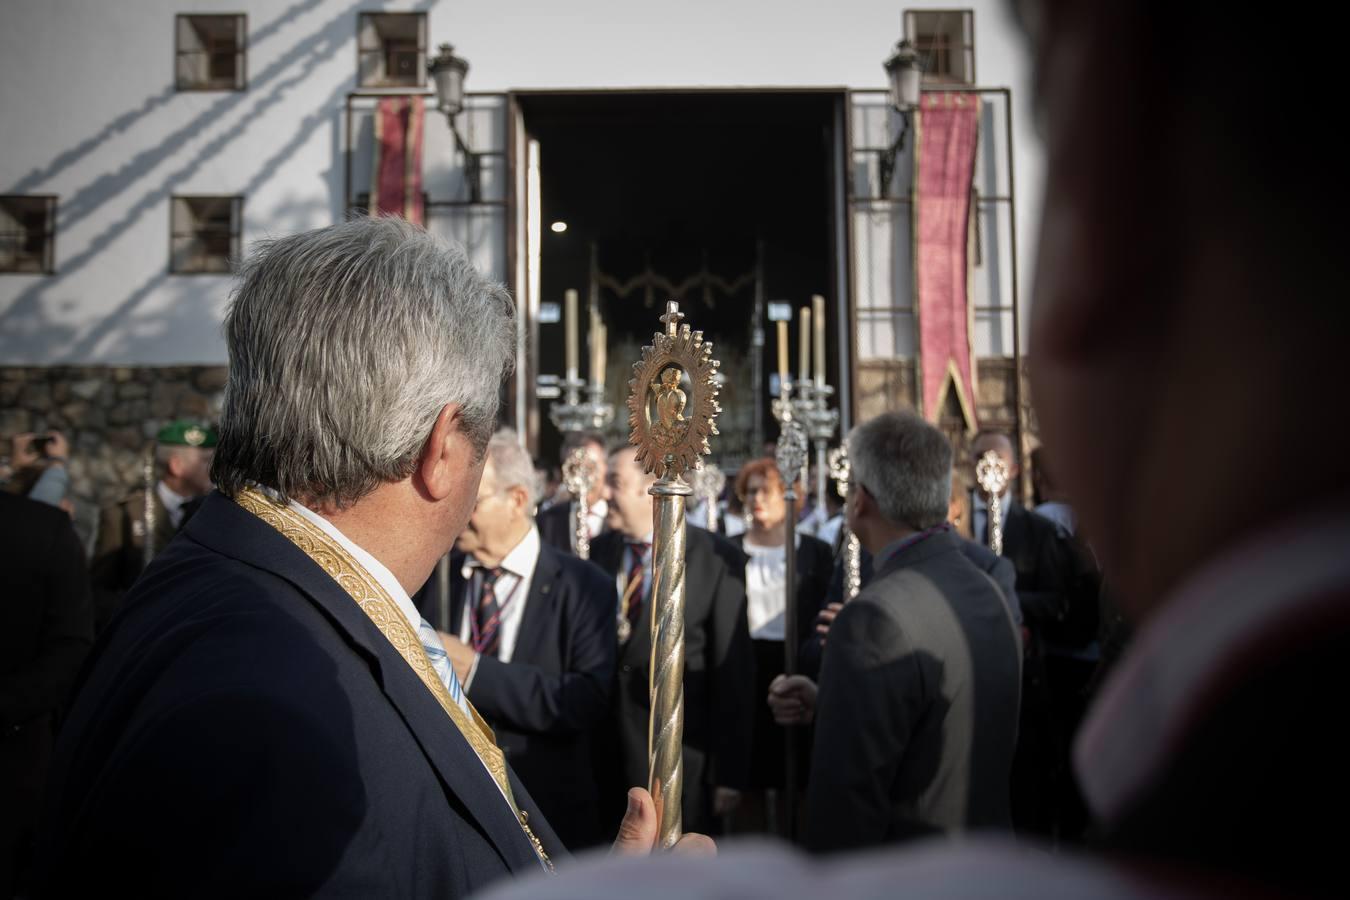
126 120
26 322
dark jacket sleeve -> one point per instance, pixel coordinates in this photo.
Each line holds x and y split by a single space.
731 659
276 768
871 695
66 630
1005 575
527 698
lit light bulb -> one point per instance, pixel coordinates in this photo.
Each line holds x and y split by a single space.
558 227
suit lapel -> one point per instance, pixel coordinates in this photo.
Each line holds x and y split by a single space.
540 607
227 528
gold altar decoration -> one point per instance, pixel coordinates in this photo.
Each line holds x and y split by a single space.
672 405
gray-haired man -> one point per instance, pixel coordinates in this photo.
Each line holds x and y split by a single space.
916 715
271 715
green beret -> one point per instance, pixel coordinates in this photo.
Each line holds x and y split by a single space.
186 433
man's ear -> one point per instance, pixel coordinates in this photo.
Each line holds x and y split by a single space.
446 454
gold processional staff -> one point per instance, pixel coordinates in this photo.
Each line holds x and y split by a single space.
672 405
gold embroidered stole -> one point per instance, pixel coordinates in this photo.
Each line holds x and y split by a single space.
376 603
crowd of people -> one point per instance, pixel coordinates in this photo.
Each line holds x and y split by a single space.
363 666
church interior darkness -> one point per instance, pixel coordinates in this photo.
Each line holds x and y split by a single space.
667 181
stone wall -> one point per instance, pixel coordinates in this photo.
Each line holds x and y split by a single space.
110 414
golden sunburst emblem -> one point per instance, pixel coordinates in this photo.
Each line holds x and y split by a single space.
672 399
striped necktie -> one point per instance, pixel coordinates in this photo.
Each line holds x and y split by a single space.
435 651
486 638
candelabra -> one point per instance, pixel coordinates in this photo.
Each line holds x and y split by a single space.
572 414
811 407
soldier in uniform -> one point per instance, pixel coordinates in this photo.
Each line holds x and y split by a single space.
132 531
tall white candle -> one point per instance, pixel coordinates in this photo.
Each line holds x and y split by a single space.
570 324
804 346
782 355
818 304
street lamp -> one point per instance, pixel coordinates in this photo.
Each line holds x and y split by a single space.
447 76
905 75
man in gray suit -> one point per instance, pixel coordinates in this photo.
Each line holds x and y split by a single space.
919 688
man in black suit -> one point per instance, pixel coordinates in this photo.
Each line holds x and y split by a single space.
1059 594
718 661
555 523
270 715
46 628
916 714
530 633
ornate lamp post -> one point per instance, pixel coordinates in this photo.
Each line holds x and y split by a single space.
905 75
448 72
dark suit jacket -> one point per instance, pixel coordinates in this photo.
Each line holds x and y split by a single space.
46 628
917 713
718 674
1055 583
996 567
546 702
244 729
555 527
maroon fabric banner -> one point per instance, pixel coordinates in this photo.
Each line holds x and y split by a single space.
397 190
948 127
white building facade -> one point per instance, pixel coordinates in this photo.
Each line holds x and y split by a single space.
161 138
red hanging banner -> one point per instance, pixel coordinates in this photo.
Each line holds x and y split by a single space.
397 188
947 133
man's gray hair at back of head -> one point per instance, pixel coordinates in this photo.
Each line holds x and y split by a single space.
345 343
512 465
906 465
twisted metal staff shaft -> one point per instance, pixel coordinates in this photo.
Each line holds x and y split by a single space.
852 564
665 733
580 530
790 656
995 524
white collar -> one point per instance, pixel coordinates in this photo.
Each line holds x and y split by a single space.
172 500
1202 633
519 562
377 569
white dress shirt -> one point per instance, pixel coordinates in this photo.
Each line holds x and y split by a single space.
765 580
512 589
173 503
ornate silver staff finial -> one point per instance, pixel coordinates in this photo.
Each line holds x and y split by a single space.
841 470
579 473
992 474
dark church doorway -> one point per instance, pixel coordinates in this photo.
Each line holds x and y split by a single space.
724 196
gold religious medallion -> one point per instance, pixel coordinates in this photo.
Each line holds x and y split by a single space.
194 436
673 440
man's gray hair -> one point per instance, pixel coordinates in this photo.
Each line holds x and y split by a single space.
906 465
345 343
512 466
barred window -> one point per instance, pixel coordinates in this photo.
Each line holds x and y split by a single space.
27 234
209 52
945 42
392 49
205 234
